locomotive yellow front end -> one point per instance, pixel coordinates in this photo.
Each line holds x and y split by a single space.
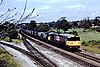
73 42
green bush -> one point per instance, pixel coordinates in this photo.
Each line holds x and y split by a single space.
74 32
7 39
6 60
14 35
84 43
92 28
90 43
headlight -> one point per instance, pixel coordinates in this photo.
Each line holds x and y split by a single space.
69 43
74 43
79 42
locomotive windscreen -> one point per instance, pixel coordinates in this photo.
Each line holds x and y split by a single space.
74 39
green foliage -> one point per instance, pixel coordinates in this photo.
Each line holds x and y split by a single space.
14 34
6 39
92 28
90 43
84 43
17 41
91 49
42 27
12 40
74 32
9 30
2 27
85 24
2 51
61 24
51 31
96 21
92 46
6 60
51 24
32 25
98 29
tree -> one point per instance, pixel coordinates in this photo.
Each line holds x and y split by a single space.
42 27
51 24
97 21
75 24
62 23
86 24
32 25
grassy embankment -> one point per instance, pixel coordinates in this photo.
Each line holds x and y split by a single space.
90 40
6 60
7 39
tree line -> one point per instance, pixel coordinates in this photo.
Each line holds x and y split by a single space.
63 24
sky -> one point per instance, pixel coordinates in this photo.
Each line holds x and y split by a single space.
52 10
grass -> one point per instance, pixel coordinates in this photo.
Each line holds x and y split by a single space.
94 49
17 41
87 36
6 39
7 59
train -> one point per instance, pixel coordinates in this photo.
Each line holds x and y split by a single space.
65 41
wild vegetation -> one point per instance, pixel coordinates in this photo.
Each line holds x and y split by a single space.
6 60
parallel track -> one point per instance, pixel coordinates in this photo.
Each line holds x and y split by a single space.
82 61
38 55
88 56
30 55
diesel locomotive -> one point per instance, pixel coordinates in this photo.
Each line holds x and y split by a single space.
68 41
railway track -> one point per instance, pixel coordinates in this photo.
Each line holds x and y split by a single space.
30 55
38 55
82 60
88 56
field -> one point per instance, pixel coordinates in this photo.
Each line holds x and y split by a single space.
87 36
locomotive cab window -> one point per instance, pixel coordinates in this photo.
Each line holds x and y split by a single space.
74 39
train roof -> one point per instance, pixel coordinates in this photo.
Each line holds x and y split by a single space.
67 35
53 33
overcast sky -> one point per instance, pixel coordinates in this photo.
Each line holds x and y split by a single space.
52 10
